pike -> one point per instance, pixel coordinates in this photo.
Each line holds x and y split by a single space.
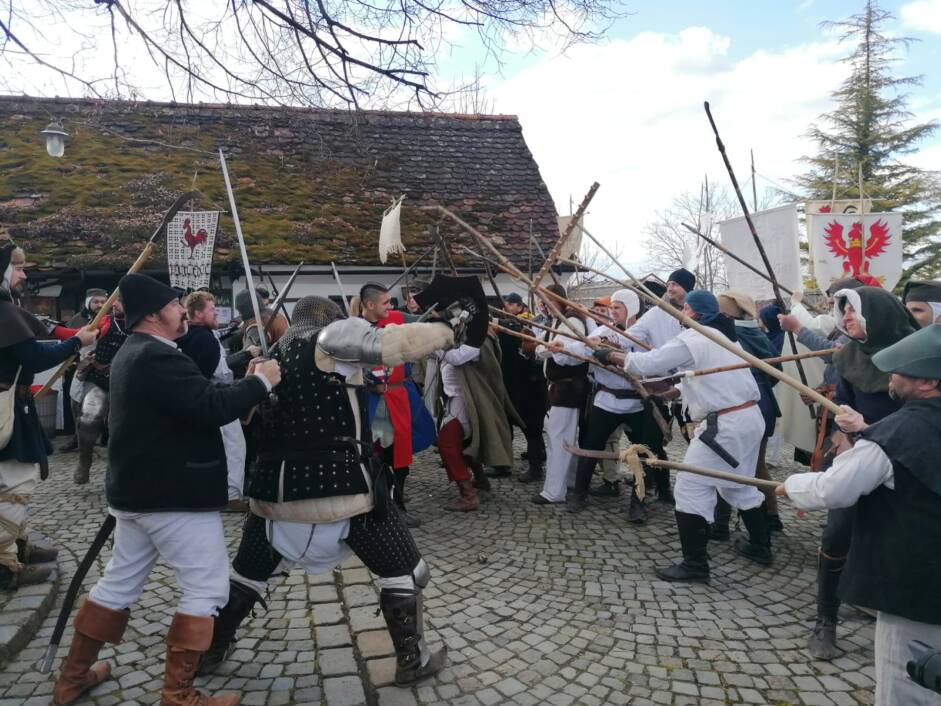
139 263
657 463
253 295
530 322
573 222
282 295
741 366
542 254
577 356
346 302
513 271
775 287
725 251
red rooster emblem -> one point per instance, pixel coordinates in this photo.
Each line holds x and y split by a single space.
855 260
191 240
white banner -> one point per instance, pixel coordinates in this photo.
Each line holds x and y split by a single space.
868 248
777 230
572 246
190 237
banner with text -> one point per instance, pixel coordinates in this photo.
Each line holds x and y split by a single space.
190 238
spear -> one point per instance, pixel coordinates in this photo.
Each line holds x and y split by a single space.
148 250
529 322
513 271
573 222
775 287
742 366
542 254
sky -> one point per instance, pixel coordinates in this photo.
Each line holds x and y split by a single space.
627 111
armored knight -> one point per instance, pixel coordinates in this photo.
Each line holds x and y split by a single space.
317 492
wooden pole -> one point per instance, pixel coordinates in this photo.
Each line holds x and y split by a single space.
742 366
574 220
529 322
578 356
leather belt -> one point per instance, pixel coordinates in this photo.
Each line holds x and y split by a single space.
622 393
736 408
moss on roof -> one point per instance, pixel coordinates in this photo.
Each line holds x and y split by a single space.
310 184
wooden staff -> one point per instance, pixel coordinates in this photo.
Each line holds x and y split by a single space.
530 322
744 263
508 267
574 220
542 254
578 356
775 287
742 366
698 470
148 250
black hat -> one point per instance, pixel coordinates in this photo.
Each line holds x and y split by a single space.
514 298
684 278
921 291
848 283
143 295
655 287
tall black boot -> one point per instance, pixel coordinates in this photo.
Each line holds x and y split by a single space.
241 601
661 477
694 536
533 474
402 610
398 489
822 642
720 528
758 545
636 511
86 455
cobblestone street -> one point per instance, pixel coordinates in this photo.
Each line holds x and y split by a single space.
536 606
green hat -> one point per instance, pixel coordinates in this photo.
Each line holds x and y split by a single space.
921 291
917 355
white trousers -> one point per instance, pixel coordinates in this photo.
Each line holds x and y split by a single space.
561 427
740 434
192 543
17 483
233 439
893 685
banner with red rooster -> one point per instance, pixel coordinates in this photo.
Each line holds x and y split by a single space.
190 237
867 247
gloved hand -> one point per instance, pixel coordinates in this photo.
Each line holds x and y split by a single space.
457 316
602 355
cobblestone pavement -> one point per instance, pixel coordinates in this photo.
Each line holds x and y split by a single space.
536 606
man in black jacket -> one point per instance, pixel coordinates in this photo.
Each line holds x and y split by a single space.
166 483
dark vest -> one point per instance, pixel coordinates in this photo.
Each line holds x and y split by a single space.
894 563
99 372
311 430
568 384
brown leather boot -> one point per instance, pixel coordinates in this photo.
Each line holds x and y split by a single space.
188 638
94 625
467 501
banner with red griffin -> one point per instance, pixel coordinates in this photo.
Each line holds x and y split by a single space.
867 247
190 238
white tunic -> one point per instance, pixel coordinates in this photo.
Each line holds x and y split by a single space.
655 328
451 383
233 439
603 399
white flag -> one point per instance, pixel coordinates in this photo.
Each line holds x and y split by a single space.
868 248
190 238
390 232
777 230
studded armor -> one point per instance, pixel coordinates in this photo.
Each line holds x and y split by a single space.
99 371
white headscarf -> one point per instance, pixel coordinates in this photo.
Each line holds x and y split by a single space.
629 299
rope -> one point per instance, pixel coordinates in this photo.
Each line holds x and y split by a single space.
634 456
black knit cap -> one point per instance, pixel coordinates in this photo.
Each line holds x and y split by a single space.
684 278
143 295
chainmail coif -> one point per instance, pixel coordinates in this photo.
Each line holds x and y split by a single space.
310 315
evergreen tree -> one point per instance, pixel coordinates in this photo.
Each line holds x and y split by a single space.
871 126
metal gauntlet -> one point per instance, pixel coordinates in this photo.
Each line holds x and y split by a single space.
352 340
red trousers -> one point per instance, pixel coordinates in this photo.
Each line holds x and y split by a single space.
451 448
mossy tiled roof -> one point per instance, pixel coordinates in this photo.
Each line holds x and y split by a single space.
310 184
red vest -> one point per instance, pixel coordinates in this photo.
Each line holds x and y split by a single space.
396 399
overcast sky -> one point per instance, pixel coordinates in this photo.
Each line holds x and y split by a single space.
627 111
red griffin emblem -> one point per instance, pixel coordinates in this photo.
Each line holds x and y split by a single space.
191 240
855 260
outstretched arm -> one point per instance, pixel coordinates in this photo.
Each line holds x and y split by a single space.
355 341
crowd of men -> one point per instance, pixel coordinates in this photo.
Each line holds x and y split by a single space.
315 443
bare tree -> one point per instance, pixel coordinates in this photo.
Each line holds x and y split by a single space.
670 245
372 53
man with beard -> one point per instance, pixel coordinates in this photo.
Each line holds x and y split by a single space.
616 402
202 345
94 378
165 486
872 319
318 493
727 439
890 476
23 455
95 298
923 301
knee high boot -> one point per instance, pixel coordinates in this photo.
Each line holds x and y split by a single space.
661 478
398 480
87 431
189 636
694 537
636 511
822 642
94 626
720 528
402 610
242 600
758 545
577 497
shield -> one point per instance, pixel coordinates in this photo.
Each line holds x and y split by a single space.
445 290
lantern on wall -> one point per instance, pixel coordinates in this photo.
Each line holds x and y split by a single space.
55 139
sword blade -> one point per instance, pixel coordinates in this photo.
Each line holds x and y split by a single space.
282 295
346 302
262 340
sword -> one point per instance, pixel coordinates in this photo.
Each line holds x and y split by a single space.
253 295
346 302
282 295
411 267
75 585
